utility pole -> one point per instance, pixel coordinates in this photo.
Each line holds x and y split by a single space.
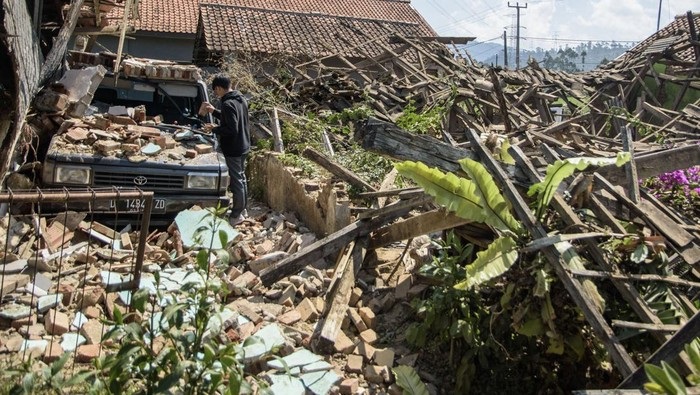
517 6
505 50
658 18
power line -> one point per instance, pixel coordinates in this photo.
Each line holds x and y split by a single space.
578 40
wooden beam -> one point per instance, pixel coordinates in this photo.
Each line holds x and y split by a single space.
653 164
58 50
335 242
389 140
432 221
348 267
338 170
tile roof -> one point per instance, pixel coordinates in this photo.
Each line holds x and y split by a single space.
306 27
674 37
164 16
386 10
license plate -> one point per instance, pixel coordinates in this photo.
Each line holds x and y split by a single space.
135 205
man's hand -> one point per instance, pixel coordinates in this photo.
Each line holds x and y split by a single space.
207 127
205 108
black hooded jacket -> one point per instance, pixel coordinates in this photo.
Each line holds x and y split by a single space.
233 131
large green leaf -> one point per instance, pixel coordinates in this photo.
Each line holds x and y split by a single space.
561 169
497 211
665 377
409 381
454 193
491 263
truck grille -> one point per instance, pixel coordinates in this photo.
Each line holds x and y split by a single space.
151 182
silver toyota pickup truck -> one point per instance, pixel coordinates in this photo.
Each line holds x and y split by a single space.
140 130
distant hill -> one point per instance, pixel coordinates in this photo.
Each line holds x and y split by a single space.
582 57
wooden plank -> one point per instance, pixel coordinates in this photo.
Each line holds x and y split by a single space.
432 221
667 352
648 212
653 164
385 192
338 170
673 280
351 263
501 99
335 242
623 362
631 166
646 327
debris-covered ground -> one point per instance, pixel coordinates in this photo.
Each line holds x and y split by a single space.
63 296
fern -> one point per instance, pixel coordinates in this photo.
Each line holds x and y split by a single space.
454 193
491 263
561 169
497 211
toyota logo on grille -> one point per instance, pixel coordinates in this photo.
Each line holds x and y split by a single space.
140 180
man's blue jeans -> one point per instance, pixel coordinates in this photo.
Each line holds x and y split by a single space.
239 184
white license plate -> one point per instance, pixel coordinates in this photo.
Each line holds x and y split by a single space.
135 205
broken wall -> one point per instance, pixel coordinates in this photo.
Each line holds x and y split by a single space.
323 212
25 60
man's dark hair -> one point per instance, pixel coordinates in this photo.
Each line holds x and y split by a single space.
222 81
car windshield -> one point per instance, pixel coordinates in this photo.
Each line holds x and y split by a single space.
175 102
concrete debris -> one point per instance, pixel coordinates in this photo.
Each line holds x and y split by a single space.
60 307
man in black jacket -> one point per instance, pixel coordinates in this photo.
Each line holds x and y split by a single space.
234 137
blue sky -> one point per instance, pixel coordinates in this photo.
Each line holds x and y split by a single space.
551 23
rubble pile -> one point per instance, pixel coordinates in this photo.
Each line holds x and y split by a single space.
107 136
64 279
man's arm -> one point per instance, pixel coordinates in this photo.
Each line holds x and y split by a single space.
229 118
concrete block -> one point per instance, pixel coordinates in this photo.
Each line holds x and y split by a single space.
369 336
354 363
307 310
384 357
343 344
357 320
367 316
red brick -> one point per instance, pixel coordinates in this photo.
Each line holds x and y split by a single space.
56 323
87 352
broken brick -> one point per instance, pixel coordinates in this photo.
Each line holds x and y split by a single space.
203 149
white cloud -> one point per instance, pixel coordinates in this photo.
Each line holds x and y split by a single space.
621 20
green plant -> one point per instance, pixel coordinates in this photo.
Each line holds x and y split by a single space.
33 377
477 199
450 316
427 122
485 305
409 381
179 347
665 379
560 170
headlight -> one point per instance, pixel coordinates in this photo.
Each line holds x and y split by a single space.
201 181
76 175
